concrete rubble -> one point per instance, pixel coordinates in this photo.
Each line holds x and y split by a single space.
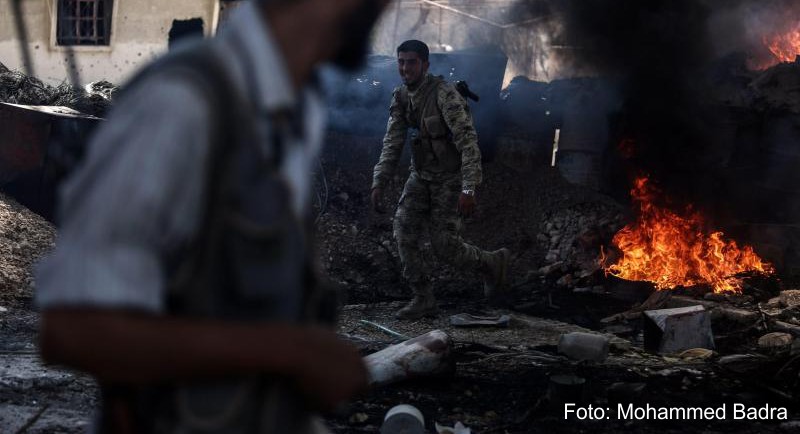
675 330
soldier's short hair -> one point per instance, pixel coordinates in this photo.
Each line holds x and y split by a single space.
415 46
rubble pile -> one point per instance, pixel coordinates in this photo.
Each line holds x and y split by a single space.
18 88
776 88
357 247
573 238
24 238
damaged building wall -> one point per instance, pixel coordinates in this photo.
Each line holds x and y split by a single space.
139 31
520 29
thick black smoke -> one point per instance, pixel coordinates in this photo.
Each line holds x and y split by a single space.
659 51
694 115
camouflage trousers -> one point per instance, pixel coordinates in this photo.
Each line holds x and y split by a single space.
432 205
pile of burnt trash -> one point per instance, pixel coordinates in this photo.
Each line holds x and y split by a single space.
18 88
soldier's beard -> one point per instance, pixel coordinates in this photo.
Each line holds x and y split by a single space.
413 83
356 31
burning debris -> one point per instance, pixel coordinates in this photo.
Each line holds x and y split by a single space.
671 250
785 46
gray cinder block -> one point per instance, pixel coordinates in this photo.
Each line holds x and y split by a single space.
675 330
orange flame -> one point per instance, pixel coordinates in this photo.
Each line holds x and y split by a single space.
784 46
671 250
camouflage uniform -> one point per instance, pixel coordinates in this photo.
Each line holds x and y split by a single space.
445 159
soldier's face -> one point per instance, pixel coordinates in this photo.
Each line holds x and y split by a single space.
411 68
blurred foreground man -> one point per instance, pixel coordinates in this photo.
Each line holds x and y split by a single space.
183 277
445 171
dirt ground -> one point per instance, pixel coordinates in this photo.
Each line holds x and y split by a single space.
501 376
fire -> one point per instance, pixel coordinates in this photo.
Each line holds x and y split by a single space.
784 46
670 250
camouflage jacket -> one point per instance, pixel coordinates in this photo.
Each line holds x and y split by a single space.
456 134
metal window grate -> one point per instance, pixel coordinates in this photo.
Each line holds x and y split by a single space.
84 22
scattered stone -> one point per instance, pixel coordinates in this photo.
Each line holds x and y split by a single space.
773 303
618 329
359 418
743 363
775 340
786 327
584 346
741 317
790 298
620 345
696 354
565 280
673 371
713 296
458 428
551 269
686 301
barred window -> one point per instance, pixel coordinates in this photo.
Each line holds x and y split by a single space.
84 22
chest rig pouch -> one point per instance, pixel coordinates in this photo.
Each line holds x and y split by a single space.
249 261
432 147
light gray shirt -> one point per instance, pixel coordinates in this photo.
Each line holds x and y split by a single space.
139 193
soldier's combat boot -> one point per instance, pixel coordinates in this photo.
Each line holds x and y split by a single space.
423 303
496 272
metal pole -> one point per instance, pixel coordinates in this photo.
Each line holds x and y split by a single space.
22 36
482 20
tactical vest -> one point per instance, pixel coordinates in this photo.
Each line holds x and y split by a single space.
432 148
250 261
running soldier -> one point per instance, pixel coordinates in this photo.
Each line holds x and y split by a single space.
445 171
